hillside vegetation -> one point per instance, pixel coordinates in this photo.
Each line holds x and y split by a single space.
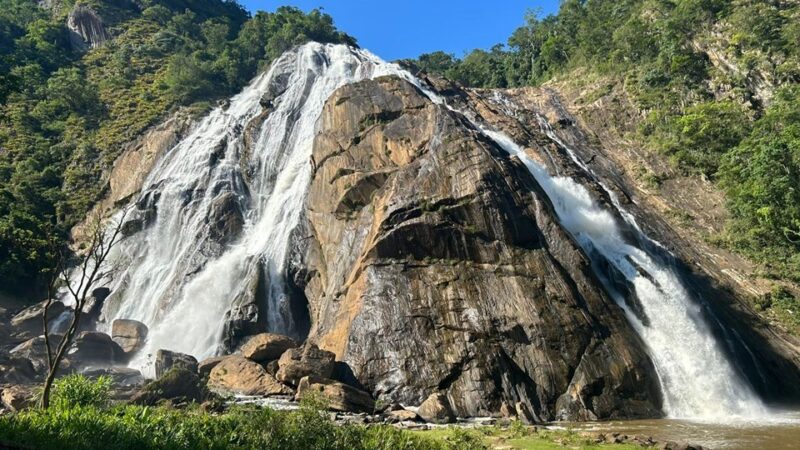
65 113
716 86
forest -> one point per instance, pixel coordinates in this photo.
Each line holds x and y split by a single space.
65 114
739 128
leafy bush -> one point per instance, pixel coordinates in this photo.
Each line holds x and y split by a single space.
79 391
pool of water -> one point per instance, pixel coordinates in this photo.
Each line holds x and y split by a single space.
779 431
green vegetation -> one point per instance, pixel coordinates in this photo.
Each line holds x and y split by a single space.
83 417
715 81
65 114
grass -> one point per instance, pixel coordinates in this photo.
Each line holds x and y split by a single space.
519 437
81 417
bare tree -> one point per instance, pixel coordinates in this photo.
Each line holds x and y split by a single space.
80 281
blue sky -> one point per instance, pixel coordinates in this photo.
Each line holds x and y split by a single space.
395 29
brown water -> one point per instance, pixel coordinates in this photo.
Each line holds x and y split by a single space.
780 431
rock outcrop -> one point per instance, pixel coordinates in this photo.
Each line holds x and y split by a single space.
429 268
436 409
86 28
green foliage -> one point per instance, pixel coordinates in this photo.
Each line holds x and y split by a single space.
133 427
762 179
711 119
79 391
66 115
698 138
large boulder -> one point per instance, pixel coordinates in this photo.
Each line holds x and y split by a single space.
436 409
16 398
176 385
205 366
129 334
29 320
35 351
167 360
238 375
297 363
337 395
93 348
266 347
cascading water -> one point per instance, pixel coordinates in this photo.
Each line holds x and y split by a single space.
697 380
172 276
172 284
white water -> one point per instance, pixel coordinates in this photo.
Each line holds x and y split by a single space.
184 309
697 380
172 279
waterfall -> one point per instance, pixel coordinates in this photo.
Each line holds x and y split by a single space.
176 280
697 380
172 275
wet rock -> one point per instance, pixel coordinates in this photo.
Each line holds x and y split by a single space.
225 218
436 409
266 347
239 375
17 370
177 385
166 360
129 334
297 363
336 395
16 398
86 28
246 316
205 366
92 348
29 320
671 445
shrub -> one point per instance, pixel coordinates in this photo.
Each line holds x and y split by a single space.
79 390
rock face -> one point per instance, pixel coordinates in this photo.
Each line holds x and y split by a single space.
428 267
337 396
297 363
167 360
239 375
86 28
129 334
